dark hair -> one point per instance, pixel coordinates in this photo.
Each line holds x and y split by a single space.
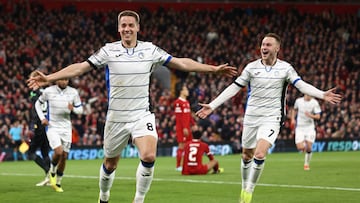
196 134
275 36
129 13
178 87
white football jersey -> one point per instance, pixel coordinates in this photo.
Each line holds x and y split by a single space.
302 106
267 86
127 74
57 100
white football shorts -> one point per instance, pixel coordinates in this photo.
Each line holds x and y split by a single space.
117 135
251 135
305 133
58 138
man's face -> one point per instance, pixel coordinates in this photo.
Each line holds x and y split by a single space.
62 83
185 91
269 48
307 97
128 29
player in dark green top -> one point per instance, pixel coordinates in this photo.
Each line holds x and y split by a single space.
39 139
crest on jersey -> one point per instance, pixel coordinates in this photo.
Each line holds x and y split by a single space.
141 55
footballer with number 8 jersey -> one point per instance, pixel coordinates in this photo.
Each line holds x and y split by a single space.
267 80
128 64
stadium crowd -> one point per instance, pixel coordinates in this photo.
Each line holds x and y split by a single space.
324 48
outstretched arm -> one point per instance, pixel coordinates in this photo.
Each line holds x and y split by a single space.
329 96
189 65
70 71
224 96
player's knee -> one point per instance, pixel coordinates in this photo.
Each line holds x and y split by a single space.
300 148
59 152
260 156
110 166
149 157
247 155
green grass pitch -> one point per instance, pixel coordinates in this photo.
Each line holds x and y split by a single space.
334 177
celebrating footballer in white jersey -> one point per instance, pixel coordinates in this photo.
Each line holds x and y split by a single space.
61 101
306 110
128 65
267 80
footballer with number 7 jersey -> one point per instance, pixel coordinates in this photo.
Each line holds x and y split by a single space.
267 80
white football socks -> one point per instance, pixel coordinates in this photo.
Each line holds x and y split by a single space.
144 177
58 179
307 158
105 183
256 168
245 168
53 168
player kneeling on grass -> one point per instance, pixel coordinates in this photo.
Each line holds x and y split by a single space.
193 153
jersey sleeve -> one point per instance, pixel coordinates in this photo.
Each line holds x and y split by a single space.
179 116
292 76
206 148
177 107
244 78
44 96
317 109
161 57
99 58
78 109
296 105
39 110
207 151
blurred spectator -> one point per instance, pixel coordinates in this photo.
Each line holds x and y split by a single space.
16 135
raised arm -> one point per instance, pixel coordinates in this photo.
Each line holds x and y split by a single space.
189 65
224 96
329 96
70 71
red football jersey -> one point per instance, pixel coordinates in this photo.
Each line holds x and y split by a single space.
183 119
194 151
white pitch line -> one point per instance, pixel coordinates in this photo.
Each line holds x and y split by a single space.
203 181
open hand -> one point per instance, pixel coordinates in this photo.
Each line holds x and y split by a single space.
225 69
204 111
332 97
37 81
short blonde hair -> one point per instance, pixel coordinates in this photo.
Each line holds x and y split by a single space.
129 13
275 36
